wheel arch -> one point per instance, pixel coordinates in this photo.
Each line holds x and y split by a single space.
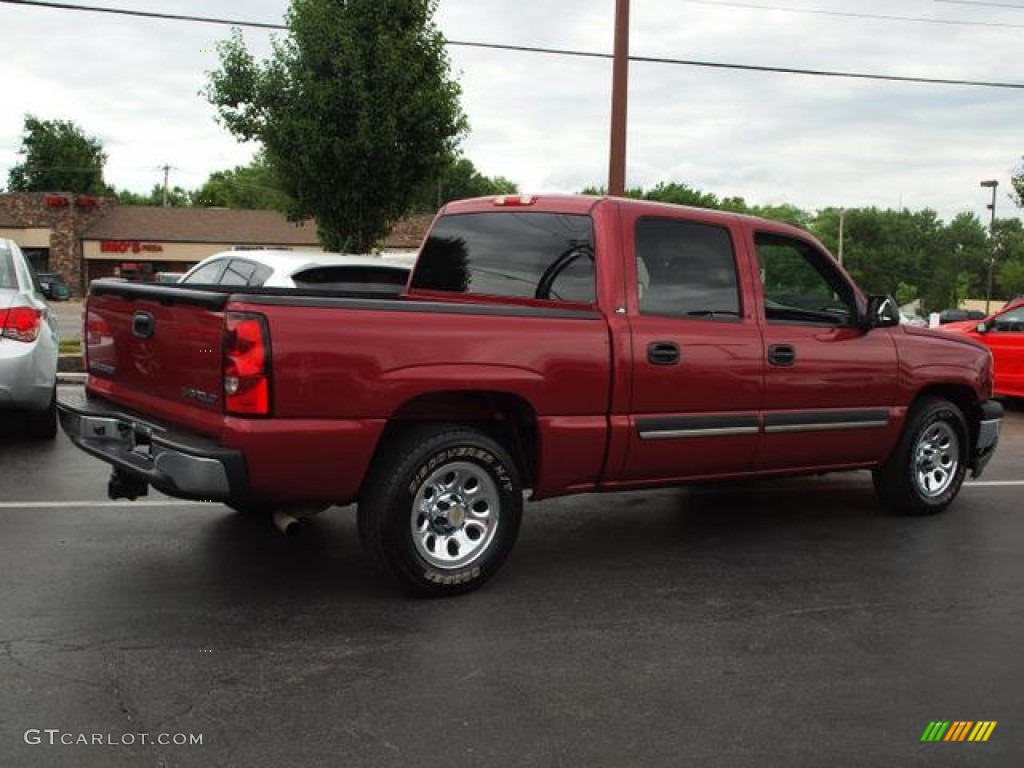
508 418
960 395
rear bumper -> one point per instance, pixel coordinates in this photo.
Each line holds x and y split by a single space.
990 419
28 374
179 464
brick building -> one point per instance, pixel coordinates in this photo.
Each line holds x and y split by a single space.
84 237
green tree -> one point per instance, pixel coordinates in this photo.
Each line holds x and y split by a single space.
176 197
1008 251
1017 181
1011 278
459 180
254 187
59 157
681 194
355 109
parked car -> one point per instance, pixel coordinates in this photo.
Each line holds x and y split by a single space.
959 315
28 344
303 269
1003 333
560 344
54 286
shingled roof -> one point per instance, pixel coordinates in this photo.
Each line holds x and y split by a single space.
230 227
201 225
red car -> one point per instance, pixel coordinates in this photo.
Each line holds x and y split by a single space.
1003 333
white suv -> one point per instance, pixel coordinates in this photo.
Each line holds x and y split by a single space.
303 269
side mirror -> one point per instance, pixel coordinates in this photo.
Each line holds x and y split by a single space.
882 312
982 328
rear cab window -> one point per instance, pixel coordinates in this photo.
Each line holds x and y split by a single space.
521 255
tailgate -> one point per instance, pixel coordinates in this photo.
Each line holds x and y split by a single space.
157 349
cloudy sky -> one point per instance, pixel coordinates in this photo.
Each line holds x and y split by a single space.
542 120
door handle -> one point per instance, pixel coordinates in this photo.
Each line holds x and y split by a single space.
781 354
663 353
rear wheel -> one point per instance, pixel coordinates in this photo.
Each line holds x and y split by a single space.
927 469
42 425
441 510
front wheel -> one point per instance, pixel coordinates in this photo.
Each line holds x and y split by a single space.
441 510
926 470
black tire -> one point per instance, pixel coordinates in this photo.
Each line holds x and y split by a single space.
926 470
440 510
42 425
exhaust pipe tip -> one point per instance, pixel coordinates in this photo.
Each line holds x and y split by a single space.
288 525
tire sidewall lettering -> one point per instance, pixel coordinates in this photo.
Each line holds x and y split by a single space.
485 458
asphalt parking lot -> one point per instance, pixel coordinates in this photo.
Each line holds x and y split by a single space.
771 624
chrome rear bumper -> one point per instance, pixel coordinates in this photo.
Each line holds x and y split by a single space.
176 463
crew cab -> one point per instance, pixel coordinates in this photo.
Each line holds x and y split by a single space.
554 345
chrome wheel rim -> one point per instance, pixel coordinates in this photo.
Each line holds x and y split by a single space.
936 459
455 515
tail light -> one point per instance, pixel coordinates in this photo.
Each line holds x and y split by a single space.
21 323
246 364
96 333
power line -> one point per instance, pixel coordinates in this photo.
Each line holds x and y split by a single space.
854 14
597 55
144 14
745 67
977 2
718 3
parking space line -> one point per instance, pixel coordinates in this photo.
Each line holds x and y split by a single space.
60 504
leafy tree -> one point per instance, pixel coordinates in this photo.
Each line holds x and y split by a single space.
459 180
681 194
176 197
1008 251
254 186
1011 278
355 110
59 157
1017 181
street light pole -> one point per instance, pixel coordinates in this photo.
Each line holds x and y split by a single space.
992 184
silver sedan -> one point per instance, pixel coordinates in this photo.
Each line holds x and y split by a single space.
28 345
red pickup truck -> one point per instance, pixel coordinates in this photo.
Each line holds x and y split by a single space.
558 344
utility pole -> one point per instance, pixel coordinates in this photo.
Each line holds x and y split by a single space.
620 99
992 184
167 170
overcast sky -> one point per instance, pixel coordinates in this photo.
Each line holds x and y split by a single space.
543 120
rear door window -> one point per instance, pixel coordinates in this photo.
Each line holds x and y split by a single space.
207 274
526 255
686 269
238 272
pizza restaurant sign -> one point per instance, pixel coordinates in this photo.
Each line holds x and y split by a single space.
129 246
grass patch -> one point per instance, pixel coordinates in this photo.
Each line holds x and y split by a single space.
71 347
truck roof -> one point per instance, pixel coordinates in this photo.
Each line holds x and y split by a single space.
585 204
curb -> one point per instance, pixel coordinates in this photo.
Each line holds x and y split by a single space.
66 379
